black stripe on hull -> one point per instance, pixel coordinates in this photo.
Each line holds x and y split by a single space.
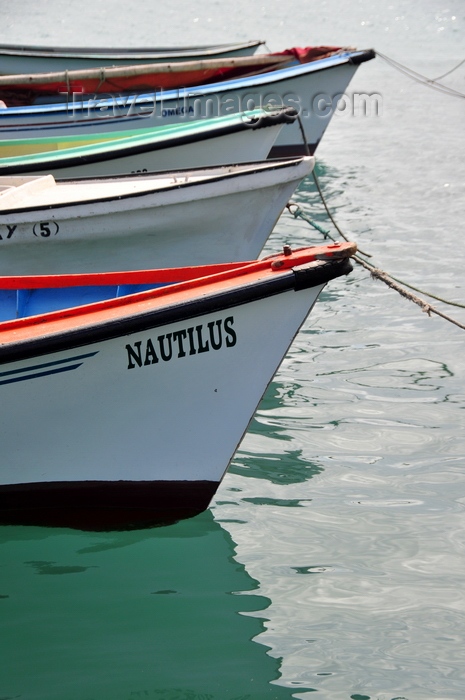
104 505
292 150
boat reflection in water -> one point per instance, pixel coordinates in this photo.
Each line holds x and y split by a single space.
128 615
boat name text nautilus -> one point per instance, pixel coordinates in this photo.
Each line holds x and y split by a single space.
187 341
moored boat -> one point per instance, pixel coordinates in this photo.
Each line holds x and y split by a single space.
231 139
38 59
222 214
27 88
101 374
312 89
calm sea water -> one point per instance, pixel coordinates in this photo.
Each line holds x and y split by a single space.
331 564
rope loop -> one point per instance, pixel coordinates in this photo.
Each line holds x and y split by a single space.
298 213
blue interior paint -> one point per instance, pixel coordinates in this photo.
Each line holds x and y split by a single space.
20 303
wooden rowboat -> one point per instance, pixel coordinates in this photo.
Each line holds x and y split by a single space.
27 88
312 89
39 59
222 214
232 139
101 374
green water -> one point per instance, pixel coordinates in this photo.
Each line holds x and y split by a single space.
150 614
331 562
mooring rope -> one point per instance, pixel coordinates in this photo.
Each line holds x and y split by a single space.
419 78
333 221
375 272
390 282
440 77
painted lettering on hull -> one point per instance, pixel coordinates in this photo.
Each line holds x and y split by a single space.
41 229
193 340
11 228
177 111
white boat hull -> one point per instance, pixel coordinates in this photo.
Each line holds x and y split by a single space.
40 59
237 147
200 217
134 428
134 420
311 89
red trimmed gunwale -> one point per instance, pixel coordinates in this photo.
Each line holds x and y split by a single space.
182 282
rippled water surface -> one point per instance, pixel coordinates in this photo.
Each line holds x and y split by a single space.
331 563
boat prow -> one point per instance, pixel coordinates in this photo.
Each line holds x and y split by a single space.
126 363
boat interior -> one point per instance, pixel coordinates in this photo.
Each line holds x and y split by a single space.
22 297
22 303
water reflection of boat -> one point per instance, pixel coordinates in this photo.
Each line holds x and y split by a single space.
269 450
131 615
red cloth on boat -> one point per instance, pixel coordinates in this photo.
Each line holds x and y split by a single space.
306 54
26 93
